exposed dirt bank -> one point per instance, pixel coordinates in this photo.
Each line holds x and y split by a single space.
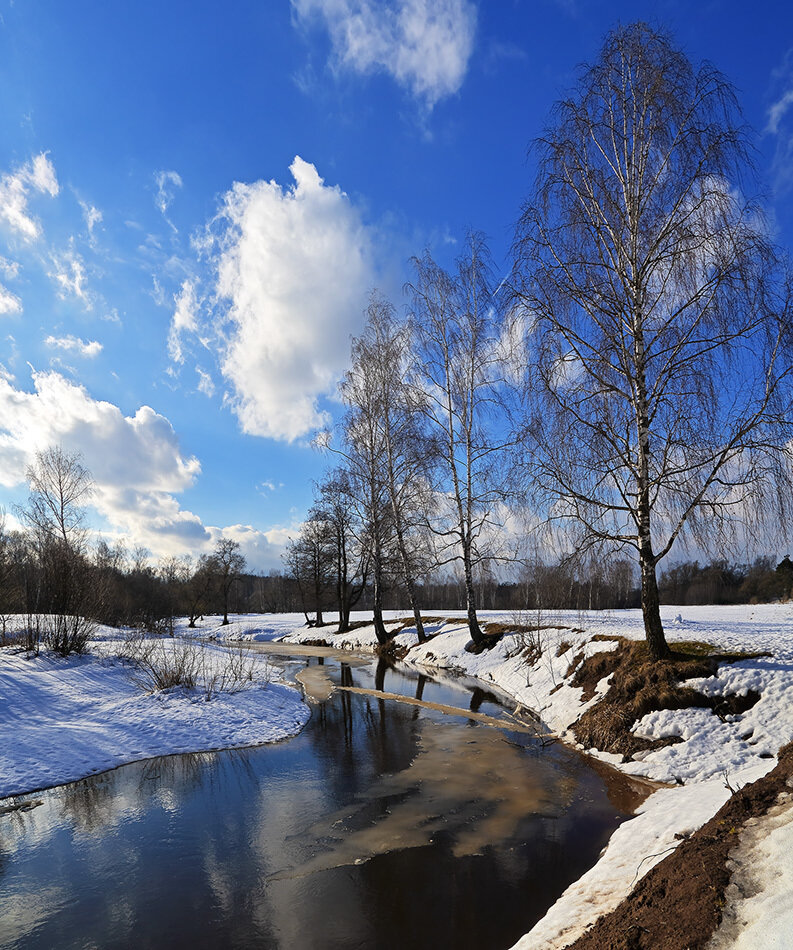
680 903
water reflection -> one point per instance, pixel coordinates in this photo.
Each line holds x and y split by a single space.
483 803
357 833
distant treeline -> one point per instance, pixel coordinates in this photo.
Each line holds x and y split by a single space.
554 587
720 582
51 573
129 591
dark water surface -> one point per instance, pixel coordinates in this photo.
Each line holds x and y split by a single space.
382 825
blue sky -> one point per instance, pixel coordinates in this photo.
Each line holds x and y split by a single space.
196 198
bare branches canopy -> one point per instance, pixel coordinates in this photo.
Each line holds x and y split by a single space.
658 311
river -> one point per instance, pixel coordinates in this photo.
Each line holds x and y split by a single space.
384 824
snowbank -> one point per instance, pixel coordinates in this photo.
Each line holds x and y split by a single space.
759 911
62 719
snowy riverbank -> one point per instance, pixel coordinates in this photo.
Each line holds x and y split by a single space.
62 719
714 755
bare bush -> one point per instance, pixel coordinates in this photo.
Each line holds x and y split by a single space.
530 633
158 665
163 664
240 671
62 633
66 633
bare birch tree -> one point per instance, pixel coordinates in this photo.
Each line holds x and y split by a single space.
348 559
664 398
309 559
226 566
60 486
363 450
382 354
459 361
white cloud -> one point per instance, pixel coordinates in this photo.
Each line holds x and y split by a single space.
42 176
73 344
37 175
293 269
777 110
92 217
9 268
167 182
205 383
9 303
261 549
70 277
779 124
135 461
184 319
424 44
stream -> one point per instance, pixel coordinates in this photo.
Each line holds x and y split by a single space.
384 824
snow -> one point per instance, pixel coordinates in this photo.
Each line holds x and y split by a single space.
759 911
62 719
635 847
71 717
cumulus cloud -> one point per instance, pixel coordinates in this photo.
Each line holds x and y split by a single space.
293 268
261 549
74 345
136 462
37 175
425 45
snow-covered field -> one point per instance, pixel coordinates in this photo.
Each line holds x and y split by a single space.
62 719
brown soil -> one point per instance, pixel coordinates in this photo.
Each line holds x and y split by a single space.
678 905
640 685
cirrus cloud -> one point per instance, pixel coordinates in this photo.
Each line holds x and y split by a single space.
37 175
425 45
